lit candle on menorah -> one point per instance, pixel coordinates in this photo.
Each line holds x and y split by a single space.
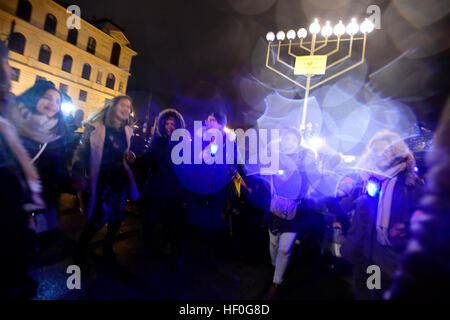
312 63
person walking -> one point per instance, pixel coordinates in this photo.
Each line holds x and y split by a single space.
20 195
380 226
37 116
101 167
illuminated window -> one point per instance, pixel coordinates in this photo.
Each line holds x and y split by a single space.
16 74
17 42
72 36
24 10
82 96
50 24
67 63
110 81
63 87
86 74
91 45
44 54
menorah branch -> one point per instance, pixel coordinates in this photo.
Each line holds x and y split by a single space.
312 64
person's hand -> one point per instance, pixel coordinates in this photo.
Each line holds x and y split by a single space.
31 224
130 157
37 200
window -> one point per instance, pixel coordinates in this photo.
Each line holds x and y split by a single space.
63 87
110 81
91 45
121 87
44 54
17 42
72 36
86 74
67 63
50 23
24 10
99 77
82 96
39 78
115 54
16 74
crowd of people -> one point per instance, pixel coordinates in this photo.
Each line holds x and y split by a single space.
384 214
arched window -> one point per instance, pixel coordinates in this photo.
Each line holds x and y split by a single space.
67 63
72 36
91 45
50 23
44 54
24 10
86 71
115 54
110 81
17 42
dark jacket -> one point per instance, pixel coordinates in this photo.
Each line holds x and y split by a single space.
161 178
51 168
88 158
157 162
361 245
425 265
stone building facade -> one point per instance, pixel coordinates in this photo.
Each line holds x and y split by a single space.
91 64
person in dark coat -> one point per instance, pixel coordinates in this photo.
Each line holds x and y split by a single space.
20 189
163 192
206 180
379 228
424 271
39 121
101 169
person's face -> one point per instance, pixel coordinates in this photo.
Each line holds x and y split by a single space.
382 152
170 126
49 104
123 109
78 118
7 71
211 123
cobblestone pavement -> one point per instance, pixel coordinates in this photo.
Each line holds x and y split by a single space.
138 276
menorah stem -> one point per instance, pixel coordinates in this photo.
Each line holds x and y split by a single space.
308 83
305 103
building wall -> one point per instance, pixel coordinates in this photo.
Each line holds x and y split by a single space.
35 35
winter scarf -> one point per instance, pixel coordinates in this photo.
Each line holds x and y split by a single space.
35 126
387 179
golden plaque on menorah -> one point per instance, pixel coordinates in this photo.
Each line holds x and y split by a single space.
314 60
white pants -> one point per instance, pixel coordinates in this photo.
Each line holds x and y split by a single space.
280 252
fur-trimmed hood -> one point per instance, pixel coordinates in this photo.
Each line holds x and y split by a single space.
163 116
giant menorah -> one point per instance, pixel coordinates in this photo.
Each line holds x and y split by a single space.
311 64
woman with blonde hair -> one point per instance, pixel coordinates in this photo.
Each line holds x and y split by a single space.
379 229
100 165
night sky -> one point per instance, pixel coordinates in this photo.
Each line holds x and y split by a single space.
197 49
